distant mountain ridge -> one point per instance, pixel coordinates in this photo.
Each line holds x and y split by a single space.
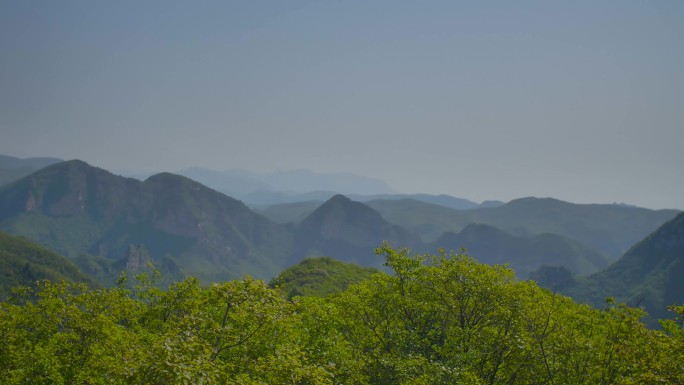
492 246
12 168
609 229
282 187
240 183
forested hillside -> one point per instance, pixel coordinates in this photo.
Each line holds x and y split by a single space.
649 275
86 213
493 246
320 277
23 262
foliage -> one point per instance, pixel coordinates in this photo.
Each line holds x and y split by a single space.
440 319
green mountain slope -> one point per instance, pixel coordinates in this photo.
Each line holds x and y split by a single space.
648 275
492 246
609 229
347 231
320 277
23 262
78 209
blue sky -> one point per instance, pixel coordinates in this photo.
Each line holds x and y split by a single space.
578 100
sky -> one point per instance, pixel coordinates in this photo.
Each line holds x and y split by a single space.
578 100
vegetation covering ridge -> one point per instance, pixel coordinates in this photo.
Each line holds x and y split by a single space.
320 277
649 275
524 255
23 262
88 213
606 228
439 319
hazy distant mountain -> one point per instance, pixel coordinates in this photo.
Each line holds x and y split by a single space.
265 198
609 229
490 204
77 209
490 245
284 187
12 169
442 200
301 205
650 274
240 183
343 183
347 231
22 262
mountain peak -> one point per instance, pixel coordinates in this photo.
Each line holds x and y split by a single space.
348 230
340 199
167 177
342 210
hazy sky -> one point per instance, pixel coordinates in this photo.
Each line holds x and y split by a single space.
579 100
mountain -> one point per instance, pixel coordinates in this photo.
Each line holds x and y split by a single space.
283 184
78 209
284 187
609 229
306 180
492 246
320 277
22 262
348 231
262 199
301 205
491 204
233 183
12 169
648 275
441 200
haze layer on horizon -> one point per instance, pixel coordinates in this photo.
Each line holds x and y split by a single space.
578 100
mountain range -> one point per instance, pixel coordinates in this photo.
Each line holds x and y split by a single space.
105 223
607 228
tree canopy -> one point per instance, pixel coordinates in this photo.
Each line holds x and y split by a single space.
437 319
